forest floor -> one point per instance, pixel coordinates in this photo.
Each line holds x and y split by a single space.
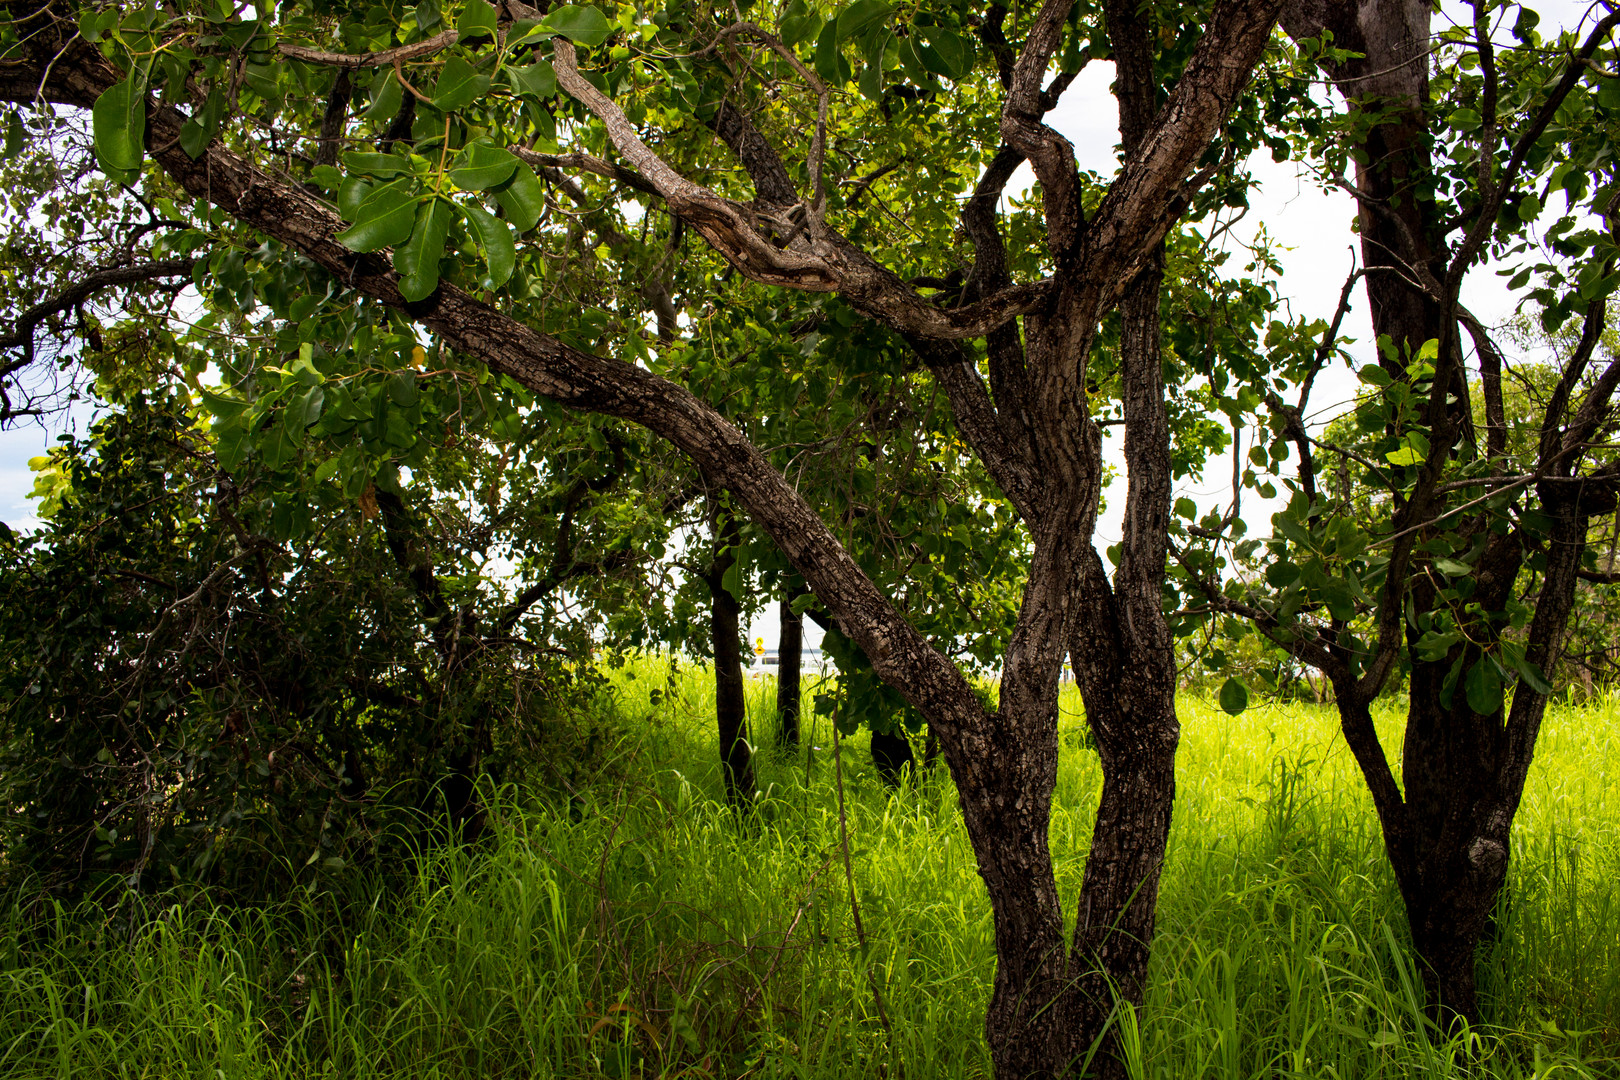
642 929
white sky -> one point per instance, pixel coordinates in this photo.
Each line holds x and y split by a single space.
1311 227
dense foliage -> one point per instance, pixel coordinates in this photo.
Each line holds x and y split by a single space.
191 701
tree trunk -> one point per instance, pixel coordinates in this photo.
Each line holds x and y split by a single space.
1447 834
725 634
455 794
1124 663
789 661
891 753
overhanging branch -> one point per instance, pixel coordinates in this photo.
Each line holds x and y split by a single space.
22 333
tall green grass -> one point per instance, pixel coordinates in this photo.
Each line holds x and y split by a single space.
639 928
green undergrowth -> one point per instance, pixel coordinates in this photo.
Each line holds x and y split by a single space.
638 928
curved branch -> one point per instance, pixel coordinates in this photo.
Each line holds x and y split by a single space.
1050 154
384 58
587 163
22 334
829 263
1142 202
727 225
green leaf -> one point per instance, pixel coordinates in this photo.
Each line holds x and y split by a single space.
351 194
1282 574
521 198
118 124
459 85
482 166
1531 673
799 23
1406 455
477 20
386 98
536 80
1484 687
830 63
581 23
1608 95
302 410
858 16
911 62
199 131
1433 646
402 390
232 444
386 217
14 135
1452 568
1186 508
397 430
1293 530
523 31
499 252
417 260
1234 696
327 176
381 166
1464 120
1375 375
276 448
871 82
224 409
946 53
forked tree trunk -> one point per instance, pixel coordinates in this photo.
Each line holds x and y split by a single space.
789 661
725 635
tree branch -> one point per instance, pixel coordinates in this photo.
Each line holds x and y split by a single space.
385 58
1142 202
825 264
1558 405
22 333
1490 380
1049 154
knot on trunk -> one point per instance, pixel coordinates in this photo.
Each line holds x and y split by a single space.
1487 856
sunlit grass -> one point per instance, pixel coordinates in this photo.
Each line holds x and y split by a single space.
640 928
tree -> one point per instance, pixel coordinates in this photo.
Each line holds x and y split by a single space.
237 105
1432 533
